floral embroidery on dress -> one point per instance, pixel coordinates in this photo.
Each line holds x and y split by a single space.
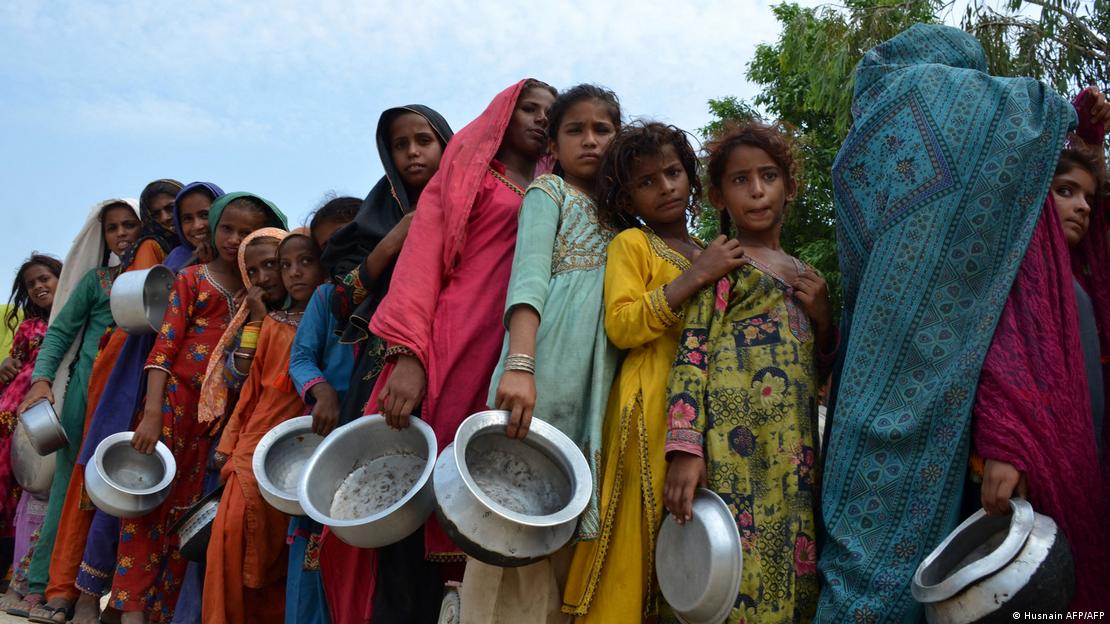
692 348
757 331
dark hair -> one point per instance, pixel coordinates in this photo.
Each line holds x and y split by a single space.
250 204
112 205
633 142
299 232
336 210
574 95
752 134
532 83
20 299
1077 155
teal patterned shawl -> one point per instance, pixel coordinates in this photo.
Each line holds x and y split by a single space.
937 186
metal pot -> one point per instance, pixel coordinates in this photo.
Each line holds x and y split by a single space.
194 529
33 472
992 566
140 298
357 444
279 461
125 483
510 502
44 429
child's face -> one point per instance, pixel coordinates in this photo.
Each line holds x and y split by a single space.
40 284
584 134
193 210
324 231
121 228
161 210
235 224
300 268
261 261
415 149
1074 194
526 134
753 189
660 189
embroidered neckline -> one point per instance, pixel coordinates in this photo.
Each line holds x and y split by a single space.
506 181
664 251
218 286
798 266
289 318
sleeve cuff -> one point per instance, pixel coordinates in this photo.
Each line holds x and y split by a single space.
157 367
661 309
686 441
308 385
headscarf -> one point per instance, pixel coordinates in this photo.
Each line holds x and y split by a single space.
152 229
182 255
385 206
213 392
276 218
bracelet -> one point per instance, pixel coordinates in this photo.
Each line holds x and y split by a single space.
249 338
246 355
520 362
397 350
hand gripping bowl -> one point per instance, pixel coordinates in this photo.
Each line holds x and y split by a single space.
699 563
33 472
993 566
370 443
510 502
140 298
44 429
279 461
125 483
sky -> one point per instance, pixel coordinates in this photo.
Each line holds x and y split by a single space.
282 98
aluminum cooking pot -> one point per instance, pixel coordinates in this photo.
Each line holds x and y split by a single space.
359 443
140 298
33 472
992 566
44 429
125 483
510 502
194 529
279 461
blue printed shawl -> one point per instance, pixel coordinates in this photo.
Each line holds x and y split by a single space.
938 187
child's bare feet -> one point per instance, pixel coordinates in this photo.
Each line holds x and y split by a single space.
132 617
87 610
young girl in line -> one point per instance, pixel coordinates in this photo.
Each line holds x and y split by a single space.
149 571
742 395
648 187
556 363
32 298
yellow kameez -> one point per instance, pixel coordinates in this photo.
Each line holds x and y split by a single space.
611 578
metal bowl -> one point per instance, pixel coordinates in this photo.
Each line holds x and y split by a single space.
364 442
995 565
140 298
510 502
194 529
125 483
279 461
44 429
699 563
33 472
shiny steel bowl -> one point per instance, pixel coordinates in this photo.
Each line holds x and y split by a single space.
279 461
33 472
699 563
44 429
357 444
194 529
510 525
125 483
140 298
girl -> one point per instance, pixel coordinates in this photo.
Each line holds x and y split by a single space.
245 578
556 363
331 217
32 297
447 296
648 187
149 571
743 388
361 257
76 328
154 242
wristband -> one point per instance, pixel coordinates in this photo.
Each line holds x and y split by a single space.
521 362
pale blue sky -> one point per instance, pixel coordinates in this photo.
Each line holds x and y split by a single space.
281 98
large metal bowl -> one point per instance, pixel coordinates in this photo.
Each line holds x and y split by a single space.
44 429
140 298
33 472
125 483
699 563
194 529
357 444
279 461
510 502
993 566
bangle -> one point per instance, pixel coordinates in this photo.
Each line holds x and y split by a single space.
397 350
246 355
520 362
249 339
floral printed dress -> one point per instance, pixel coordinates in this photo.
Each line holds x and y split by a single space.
742 394
25 348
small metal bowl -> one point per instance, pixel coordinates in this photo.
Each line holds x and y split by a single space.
125 483
33 472
360 443
194 529
44 429
140 298
699 563
279 461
